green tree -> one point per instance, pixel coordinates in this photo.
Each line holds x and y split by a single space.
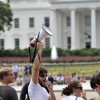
5 16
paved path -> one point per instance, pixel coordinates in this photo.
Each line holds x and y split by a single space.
58 88
89 94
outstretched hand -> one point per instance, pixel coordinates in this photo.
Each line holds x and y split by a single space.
84 95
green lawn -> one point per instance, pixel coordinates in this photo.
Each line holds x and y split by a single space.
87 69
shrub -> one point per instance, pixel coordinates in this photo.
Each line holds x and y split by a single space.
47 52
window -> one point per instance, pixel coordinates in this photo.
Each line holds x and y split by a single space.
88 45
16 43
31 22
1 44
69 42
47 23
16 22
31 39
68 21
87 20
47 42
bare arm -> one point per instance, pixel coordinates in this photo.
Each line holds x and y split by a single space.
36 66
52 95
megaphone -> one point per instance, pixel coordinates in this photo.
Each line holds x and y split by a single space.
41 35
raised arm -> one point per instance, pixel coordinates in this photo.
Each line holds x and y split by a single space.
37 63
52 95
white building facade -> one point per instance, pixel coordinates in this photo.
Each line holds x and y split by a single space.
75 23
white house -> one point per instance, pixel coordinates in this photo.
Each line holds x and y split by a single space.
75 24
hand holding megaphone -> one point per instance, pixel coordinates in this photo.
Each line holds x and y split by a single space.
41 35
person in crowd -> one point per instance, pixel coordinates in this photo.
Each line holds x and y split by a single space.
26 77
19 80
74 91
38 88
51 79
60 79
68 78
15 70
74 77
28 68
24 92
82 78
95 84
7 77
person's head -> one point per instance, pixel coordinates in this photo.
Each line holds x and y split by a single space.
42 76
74 88
95 82
6 75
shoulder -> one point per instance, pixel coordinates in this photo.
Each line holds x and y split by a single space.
12 93
26 84
71 97
33 85
79 98
97 98
8 88
11 89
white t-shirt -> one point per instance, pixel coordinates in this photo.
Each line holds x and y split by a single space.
36 92
72 97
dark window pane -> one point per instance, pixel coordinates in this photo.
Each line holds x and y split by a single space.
16 43
47 42
31 22
47 23
31 39
1 44
69 42
87 21
88 45
16 23
68 21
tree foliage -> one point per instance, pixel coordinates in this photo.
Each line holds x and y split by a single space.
5 16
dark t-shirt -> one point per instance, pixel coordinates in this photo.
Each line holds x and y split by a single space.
24 92
8 93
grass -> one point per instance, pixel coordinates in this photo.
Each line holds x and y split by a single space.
87 69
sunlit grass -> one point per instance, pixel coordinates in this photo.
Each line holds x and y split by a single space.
87 69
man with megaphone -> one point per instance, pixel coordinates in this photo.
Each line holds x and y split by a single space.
38 88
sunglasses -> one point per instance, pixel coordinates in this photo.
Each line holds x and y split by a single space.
11 74
43 75
81 88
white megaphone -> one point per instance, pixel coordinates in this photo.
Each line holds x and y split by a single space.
42 34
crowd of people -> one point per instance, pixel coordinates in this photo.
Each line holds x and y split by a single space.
37 86
67 78
22 78
54 79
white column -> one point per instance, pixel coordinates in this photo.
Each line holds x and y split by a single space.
53 27
73 32
77 28
93 28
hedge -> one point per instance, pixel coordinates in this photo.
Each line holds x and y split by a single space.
47 52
